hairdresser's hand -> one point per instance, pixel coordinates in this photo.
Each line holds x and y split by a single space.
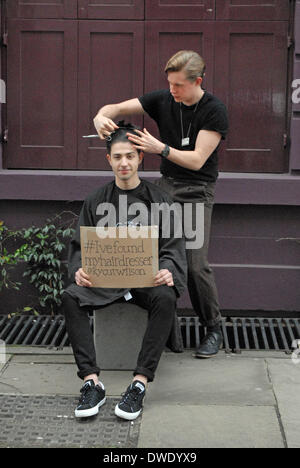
82 279
104 125
164 277
146 142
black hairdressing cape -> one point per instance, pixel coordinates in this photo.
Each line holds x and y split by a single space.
171 250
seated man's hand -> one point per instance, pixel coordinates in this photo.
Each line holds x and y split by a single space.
164 277
82 279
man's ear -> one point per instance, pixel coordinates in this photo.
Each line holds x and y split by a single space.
108 158
141 157
199 81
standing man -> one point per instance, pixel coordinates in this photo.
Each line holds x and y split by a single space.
191 123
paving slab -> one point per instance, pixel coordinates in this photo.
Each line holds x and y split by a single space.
42 359
4 362
182 379
116 382
37 350
39 379
285 377
44 378
191 426
246 400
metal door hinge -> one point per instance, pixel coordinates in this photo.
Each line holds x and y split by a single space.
285 140
4 39
5 136
290 42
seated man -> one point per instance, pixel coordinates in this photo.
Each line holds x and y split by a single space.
81 297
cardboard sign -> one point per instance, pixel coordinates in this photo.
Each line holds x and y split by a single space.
120 257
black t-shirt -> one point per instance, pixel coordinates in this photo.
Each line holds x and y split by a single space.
211 114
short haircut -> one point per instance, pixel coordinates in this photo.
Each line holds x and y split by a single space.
120 134
188 61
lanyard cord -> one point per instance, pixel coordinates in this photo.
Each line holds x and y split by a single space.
189 129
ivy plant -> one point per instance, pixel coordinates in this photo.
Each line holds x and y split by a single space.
43 254
9 256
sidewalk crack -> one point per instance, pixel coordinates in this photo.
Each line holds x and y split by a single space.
281 427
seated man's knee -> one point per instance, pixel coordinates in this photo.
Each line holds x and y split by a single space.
166 297
67 303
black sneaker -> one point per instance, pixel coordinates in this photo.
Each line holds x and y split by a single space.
131 404
92 397
210 345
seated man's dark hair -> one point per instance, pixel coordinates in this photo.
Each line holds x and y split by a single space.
120 134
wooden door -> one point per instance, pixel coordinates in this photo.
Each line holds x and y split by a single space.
251 79
42 94
111 60
253 10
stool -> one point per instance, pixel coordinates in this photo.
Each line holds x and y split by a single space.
119 329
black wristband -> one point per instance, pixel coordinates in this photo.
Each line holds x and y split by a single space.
165 152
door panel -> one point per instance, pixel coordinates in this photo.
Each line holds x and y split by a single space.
42 8
246 68
111 9
250 78
42 94
179 10
110 70
252 9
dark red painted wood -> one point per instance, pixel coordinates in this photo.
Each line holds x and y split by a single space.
257 288
163 39
246 68
42 9
251 251
1 105
252 9
111 63
295 121
179 10
42 94
251 79
111 9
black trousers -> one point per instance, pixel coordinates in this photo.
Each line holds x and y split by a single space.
161 305
201 282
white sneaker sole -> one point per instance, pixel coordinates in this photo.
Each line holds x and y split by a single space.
125 415
89 412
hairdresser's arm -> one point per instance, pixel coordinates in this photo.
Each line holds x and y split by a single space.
103 121
207 141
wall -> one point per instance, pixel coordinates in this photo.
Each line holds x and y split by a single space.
254 271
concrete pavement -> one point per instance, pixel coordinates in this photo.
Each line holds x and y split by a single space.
248 400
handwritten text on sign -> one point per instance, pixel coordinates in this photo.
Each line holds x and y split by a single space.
123 257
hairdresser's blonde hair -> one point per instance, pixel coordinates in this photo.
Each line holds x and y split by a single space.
188 61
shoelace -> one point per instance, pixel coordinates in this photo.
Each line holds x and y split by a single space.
130 396
209 338
86 394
